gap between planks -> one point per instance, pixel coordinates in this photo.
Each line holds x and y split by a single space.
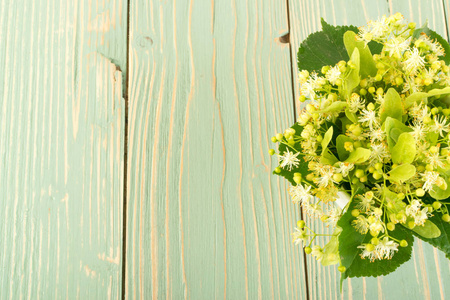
125 157
293 81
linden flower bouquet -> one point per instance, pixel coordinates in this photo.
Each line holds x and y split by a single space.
370 152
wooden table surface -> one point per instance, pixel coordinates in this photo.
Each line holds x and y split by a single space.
133 151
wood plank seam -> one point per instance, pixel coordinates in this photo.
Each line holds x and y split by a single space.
445 20
125 155
293 82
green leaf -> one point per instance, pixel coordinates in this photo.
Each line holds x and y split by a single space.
390 195
344 121
422 96
337 106
392 106
375 47
402 173
353 79
350 239
351 116
404 151
303 166
327 138
395 205
443 101
328 158
395 134
340 142
358 156
368 67
435 36
390 124
432 137
323 48
442 242
331 249
438 193
429 230
326 47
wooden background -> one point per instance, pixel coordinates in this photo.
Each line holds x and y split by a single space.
133 151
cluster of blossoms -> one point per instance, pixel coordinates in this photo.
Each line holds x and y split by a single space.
373 139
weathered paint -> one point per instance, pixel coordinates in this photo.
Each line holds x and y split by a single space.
61 151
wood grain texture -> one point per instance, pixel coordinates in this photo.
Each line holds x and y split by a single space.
210 83
423 277
61 150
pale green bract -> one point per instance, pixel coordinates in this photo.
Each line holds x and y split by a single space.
404 150
375 127
402 173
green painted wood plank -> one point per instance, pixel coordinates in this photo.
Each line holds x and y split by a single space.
61 150
446 18
209 85
425 275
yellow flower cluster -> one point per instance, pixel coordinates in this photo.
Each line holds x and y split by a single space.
376 127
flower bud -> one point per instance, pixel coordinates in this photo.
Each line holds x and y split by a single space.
446 218
359 173
437 204
390 226
337 177
355 212
420 192
325 69
398 80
